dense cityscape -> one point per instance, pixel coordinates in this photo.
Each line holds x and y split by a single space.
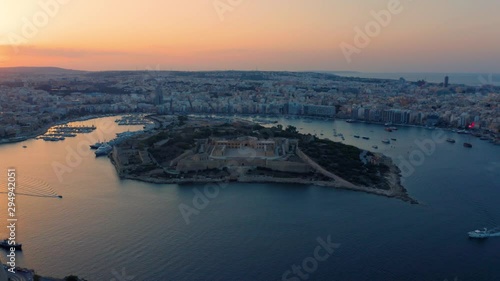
31 103
233 140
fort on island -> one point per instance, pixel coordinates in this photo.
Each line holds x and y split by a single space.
247 151
202 150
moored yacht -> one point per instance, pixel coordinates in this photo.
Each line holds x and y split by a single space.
96 145
104 149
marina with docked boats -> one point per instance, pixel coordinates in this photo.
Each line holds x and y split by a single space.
133 120
61 132
390 129
471 130
104 148
483 135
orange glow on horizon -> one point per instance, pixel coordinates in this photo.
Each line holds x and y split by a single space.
278 35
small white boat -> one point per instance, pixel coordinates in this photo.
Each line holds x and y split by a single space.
483 234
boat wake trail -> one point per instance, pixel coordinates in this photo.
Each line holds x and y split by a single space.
482 234
28 186
495 232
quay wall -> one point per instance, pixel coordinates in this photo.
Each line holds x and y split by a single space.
188 165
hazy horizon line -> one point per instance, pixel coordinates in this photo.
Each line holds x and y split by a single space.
245 70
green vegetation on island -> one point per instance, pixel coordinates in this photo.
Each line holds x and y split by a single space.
203 150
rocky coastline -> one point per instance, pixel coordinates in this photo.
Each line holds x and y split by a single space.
396 189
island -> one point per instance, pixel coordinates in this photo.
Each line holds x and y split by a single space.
204 150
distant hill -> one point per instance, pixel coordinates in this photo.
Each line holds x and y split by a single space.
39 70
341 72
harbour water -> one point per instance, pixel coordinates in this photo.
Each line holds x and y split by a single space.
105 228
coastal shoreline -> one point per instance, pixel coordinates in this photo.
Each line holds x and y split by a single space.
396 190
40 131
44 129
392 193
389 184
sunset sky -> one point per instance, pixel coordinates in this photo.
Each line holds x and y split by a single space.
295 35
